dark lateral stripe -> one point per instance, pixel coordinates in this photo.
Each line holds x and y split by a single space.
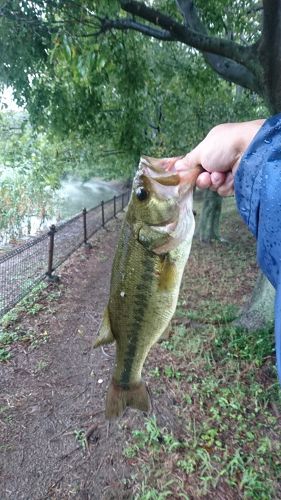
141 301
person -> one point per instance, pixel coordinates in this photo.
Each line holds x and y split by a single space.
219 154
245 159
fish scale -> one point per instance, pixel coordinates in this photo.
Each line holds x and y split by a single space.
151 254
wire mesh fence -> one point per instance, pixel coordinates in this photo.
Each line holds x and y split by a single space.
22 268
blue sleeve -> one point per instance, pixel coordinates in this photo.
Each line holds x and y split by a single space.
258 196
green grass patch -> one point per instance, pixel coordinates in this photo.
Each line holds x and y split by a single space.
237 343
14 326
214 313
216 431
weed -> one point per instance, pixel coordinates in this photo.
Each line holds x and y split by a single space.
215 313
35 338
237 343
4 355
155 372
28 305
254 486
10 333
171 443
80 436
4 414
41 365
8 337
147 493
154 437
171 372
152 433
188 465
176 342
130 451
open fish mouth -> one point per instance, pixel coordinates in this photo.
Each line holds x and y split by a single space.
156 170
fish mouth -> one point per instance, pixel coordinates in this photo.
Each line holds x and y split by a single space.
157 170
163 171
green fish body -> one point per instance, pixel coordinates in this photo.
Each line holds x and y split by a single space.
151 254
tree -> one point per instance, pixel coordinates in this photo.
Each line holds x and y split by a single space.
253 64
94 44
120 90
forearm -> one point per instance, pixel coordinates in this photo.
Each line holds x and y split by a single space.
225 144
247 132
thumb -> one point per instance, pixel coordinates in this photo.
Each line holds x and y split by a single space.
190 161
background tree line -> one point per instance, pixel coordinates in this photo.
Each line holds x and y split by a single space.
125 77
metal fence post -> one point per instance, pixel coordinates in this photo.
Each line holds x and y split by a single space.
122 201
114 206
85 225
51 234
86 243
102 214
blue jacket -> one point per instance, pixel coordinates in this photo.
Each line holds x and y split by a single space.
258 196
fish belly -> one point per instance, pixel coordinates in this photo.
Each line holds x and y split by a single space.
143 298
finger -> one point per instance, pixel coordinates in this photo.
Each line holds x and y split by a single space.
191 160
227 188
217 179
169 163
204 180
182 164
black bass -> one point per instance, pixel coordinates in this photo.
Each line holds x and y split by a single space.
151 254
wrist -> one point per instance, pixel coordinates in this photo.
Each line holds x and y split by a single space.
247 132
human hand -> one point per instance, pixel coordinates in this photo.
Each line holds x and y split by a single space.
219 154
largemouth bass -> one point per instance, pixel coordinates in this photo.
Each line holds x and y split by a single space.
151 254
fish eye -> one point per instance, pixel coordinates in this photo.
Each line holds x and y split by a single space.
141 194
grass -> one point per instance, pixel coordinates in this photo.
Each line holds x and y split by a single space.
224 431
11 325
80 436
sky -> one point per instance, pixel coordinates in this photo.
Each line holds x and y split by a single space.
6 101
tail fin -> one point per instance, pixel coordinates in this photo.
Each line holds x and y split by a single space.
119 398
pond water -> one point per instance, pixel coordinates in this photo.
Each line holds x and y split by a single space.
72 197
76 195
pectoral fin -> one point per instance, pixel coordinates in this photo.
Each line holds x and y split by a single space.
105 335
168 277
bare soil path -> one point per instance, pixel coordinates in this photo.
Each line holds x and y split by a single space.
51 394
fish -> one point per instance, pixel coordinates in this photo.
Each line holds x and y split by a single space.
151 254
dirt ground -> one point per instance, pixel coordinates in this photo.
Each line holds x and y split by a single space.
53 394
50 393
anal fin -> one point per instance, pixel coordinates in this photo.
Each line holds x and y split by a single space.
105 335
166 333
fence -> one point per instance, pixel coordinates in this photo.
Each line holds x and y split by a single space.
22 268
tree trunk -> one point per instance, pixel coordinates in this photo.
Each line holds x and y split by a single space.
208 227
269 53
259 312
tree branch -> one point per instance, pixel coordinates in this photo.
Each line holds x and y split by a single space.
225 67
184 34
131 24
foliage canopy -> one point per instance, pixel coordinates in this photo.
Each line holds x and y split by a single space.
111 92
